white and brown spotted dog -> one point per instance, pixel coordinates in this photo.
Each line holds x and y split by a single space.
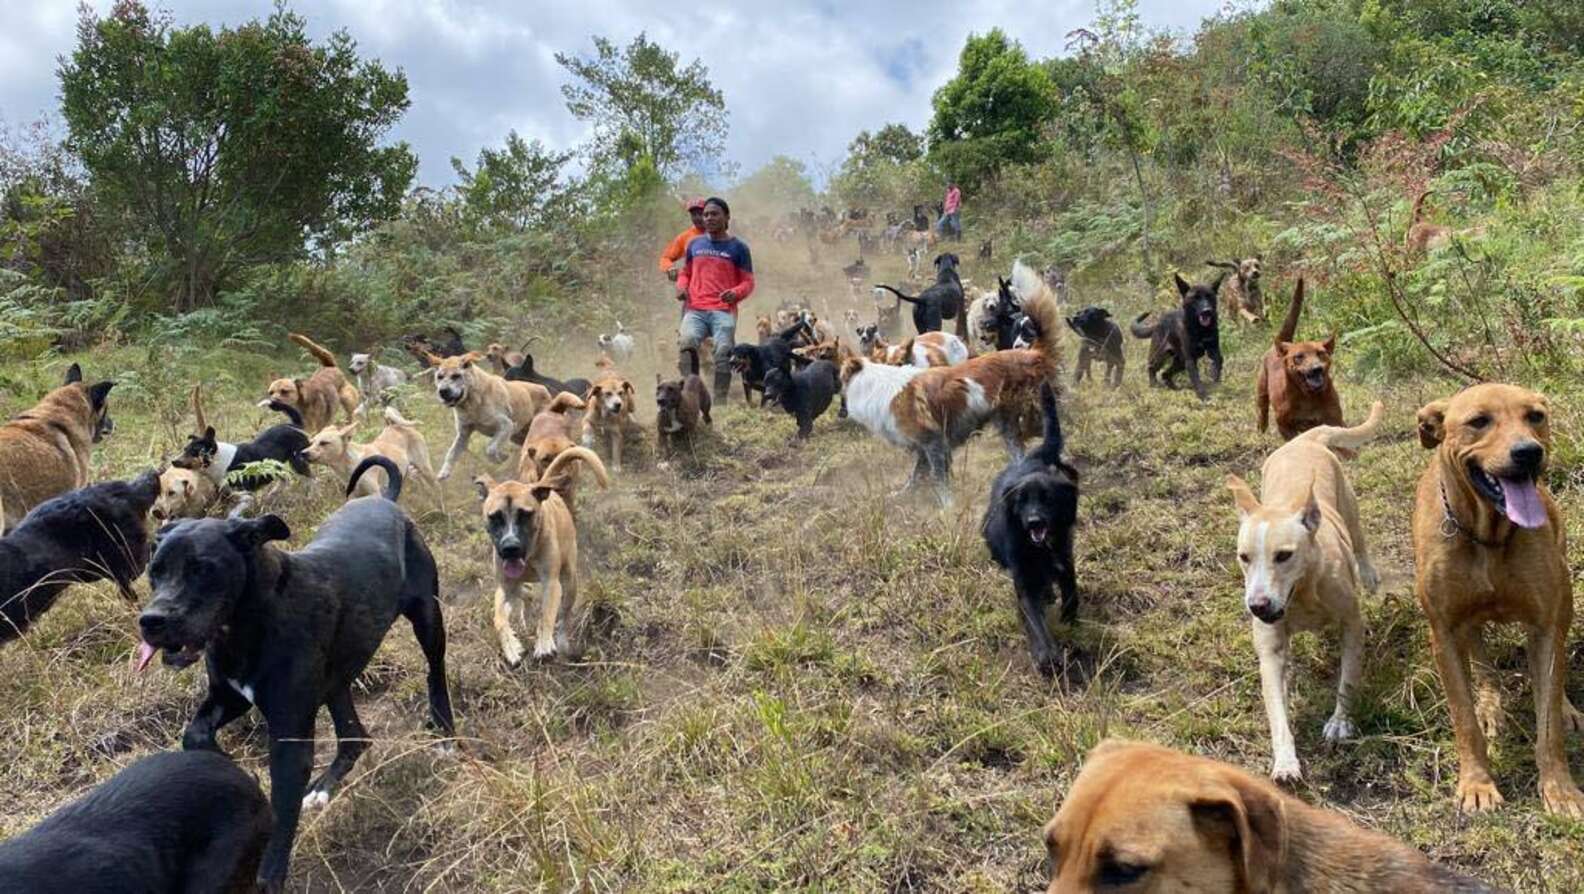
399 441
483 402
317 396
929 349
611 403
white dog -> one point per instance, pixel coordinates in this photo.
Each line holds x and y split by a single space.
372 378
619 346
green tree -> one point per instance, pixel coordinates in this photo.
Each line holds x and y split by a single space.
231 149
891 144
643 103
993 112
512 187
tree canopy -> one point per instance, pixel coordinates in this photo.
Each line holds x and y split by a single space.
993 112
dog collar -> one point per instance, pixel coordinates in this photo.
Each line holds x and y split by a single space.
1451 527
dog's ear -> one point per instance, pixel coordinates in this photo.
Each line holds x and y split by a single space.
347 430
1104 314
1330 344
1183 288
483 484
432 358
658 380
1245 499
1249 817
1282 347
73 374
543 489
1309 513
97 392
250 534
1215 285
628 389
1432 423
209 433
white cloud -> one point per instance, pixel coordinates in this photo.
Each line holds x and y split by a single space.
800 77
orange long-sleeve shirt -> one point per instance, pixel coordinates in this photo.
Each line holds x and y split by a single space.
677 248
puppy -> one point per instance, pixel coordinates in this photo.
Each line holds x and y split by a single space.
400 442
524 372
287 632
680 404
1181 336
1294 379
531 529
1028 527
805 394
486 403
612 400
1489 545
317 396
1303 555
1245 301
1099 337
172 821
620 345
184 493
217 459
98 532
373 379
1145 818
44 451
941 301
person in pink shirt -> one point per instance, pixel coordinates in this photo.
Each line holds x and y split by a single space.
950 222
717 276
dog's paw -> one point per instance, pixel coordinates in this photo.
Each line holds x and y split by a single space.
1286 771
544 648
445 472
1563 798
1340 728
1488 712
1368 576
1479 794
315 799
511 650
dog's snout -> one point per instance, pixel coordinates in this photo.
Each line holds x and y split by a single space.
510 549
152 623
1527 455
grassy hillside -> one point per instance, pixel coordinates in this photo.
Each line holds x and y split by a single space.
795 677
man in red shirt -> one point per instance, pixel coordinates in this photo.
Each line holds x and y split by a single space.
717 276
678 246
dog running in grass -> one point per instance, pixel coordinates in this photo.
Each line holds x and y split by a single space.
1294 381
317 396
1099 337
680 405
805 393
1183 335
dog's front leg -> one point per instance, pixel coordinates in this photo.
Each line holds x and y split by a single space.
616 446
1547 674
1194 380
1213 351
507 597
291 760
1271 646
220 706
1476 790
549 607
1340 727
496 451
458 446
565 619
1032 599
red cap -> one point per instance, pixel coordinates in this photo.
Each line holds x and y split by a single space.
695 204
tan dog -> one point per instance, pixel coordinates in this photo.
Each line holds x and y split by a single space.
316 397
1489 546
1303 557
1244 297
611 402
532 531
44 451
483 402
1145 818
399 441
184 493
553 431
503 357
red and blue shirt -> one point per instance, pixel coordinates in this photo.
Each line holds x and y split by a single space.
712 266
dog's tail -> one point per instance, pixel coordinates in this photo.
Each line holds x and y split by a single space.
287 409
1289 326
1053 433
197 408
563 402
1336 437
1225 265
1138 327
1027 284
394 417
1046 315
554 476
319 353
694 354
909 298
393 478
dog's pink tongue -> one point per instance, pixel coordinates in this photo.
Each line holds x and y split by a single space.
145 654
1523 502
514 568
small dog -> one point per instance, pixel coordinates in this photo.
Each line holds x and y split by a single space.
184 493
612 401
680 404
532 530
929 349
44 451
1146 818
1423 236
1295 379
751 362
217 459
373 379
1028 527
915 252
98 532
1099 336
287 632
1181 336
400 442
524 372
986 250
1245 300
941 301
504 357
172 821
1489 546
317 396
483 402
805 394
1303 555
620 345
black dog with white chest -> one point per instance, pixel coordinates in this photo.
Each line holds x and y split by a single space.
752 362
218 459
173 821
288 632
941 301
1029 530
93 533
806 393
1183 335
1099 337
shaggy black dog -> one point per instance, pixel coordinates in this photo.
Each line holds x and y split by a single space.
217 459
94 533
1100 337
1180 337
941 301
524 372
173 821
1029 529
805 394
775 352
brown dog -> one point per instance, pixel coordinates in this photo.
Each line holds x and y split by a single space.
44 451
399 441
680 404
1489 547
483 402
1244 297
316 397
1294 380
553 431
532 531
1145 818
503 357
611 402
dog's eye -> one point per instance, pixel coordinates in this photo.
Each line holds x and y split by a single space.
1243 557
1480 422
1535 417
1116 874
1283 555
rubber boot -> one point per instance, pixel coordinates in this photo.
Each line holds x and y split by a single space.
722 384
685 363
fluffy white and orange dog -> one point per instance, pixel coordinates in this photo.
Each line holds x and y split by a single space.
611 402
483 402
399 441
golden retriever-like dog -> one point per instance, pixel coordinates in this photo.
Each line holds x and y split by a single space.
611 403
317 396
553 431
1489 546
483 402
44 450
399 441
184 493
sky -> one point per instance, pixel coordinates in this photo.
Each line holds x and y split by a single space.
800 77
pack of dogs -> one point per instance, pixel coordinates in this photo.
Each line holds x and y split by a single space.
287 632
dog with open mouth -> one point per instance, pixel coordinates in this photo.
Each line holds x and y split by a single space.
483 402
1490 546
287 632
1294 381
1183 335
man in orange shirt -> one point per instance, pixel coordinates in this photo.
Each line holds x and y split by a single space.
678 246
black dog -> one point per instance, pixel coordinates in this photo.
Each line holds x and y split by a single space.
173 821
524 372
1182 336
217 459
290 631
1006 316
94 533
805 394
775 352
941 301
1102 338
1029 529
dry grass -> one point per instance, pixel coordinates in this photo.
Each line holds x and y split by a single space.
796 679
